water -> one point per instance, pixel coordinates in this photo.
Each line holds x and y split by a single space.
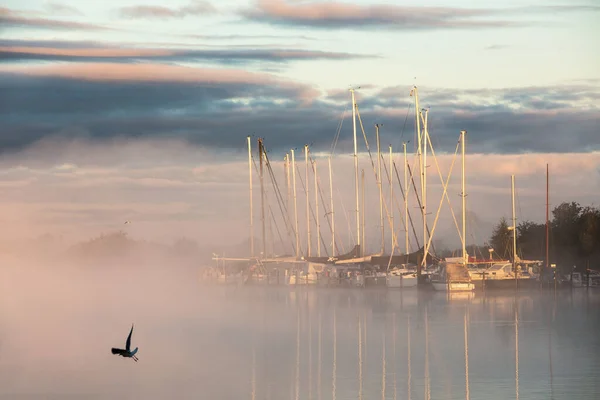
287 343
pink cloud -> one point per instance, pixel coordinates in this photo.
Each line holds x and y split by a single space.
14 18
344 14
89 52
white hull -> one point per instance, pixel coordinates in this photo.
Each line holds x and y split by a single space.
453 286
302 280
401 281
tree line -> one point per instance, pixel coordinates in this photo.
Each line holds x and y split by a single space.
574 238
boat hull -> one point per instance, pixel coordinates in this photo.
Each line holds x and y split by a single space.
453 286
399 281
510 283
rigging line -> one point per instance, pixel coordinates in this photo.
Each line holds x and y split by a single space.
445 192
387 174
319 234
403 127
352 236
339 130
409 214
280 202
323 202
266 193
312 213
412 178
405 194
277 229
442 180
394 237
405 121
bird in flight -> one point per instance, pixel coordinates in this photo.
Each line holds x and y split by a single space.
127 222
127 352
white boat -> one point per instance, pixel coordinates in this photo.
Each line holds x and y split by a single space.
307 275
582 280
399 278
452 277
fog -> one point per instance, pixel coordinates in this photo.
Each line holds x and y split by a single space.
60 320
65 303
76 190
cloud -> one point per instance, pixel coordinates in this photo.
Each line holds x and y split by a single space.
336 15
344 15
208 107
94 52
16 19
61 9
160 12
247 37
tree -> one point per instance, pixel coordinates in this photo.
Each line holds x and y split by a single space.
589 231
564 223
531 238
574 237
500 239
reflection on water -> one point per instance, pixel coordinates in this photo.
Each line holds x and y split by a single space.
310 343
485 347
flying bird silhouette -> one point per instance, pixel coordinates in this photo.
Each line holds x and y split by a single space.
127 352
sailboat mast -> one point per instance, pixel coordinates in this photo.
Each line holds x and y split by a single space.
424 187
463 136
356 173
286 171
405 198
295 204
514 223
380 189
362 177
251 205
415 92
317 208
307 203
262 197
392 201
331 205
547 220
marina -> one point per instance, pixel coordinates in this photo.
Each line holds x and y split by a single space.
415 264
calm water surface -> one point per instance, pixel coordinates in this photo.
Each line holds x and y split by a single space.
284 343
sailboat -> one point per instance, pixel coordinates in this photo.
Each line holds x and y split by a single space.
453 274
511 274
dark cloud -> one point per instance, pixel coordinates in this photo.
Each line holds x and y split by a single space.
49 44
29 51
195 8
336 15
220 114
14 19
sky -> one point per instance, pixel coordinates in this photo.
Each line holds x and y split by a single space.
139 110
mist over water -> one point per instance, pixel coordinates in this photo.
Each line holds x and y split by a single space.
59 320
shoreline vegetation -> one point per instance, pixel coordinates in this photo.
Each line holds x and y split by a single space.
573 233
